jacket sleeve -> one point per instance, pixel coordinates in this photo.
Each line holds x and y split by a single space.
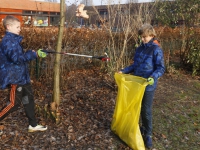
158 63
128 69
131 68
30 55
16 55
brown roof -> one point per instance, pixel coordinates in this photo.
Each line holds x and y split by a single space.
30 5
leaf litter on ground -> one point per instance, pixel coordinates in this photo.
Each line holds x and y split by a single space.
87 105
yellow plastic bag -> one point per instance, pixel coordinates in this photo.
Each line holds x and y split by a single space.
126 115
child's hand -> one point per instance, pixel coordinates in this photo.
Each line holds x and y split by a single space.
120 72
150 80
41 54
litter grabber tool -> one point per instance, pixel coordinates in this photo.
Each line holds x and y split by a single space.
102 58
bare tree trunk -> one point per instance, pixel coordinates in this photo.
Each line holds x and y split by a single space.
56 88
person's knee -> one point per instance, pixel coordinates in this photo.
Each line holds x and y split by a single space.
25 100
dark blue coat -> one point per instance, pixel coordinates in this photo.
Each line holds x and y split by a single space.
148 62
14 61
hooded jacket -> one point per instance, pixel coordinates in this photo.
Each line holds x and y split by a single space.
14 61
148 62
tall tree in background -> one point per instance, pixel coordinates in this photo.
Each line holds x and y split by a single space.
183 15
87 2
172 12
70 14
56 86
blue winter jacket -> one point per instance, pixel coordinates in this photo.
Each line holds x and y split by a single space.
148 62
14 61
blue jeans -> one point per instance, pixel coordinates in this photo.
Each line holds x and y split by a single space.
146 111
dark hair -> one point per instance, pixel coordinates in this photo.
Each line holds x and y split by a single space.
147 30
9 20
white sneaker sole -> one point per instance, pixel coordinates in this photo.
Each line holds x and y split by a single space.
36 130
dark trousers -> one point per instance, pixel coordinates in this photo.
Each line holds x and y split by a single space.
21 94
146 111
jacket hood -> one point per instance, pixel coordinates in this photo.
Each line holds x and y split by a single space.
153 41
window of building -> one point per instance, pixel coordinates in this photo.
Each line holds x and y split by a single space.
45 13
28 12
54 21
40 21
103 11
54 13
27 20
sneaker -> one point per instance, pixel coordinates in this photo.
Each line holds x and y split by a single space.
148 141
36 128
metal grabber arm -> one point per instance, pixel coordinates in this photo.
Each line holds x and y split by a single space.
102 58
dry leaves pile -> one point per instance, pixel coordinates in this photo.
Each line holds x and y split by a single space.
87 104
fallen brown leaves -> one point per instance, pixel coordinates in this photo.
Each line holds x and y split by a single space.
86 109
87 104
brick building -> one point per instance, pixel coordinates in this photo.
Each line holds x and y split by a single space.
31 11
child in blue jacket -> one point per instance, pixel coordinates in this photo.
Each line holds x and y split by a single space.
14 73
148 63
